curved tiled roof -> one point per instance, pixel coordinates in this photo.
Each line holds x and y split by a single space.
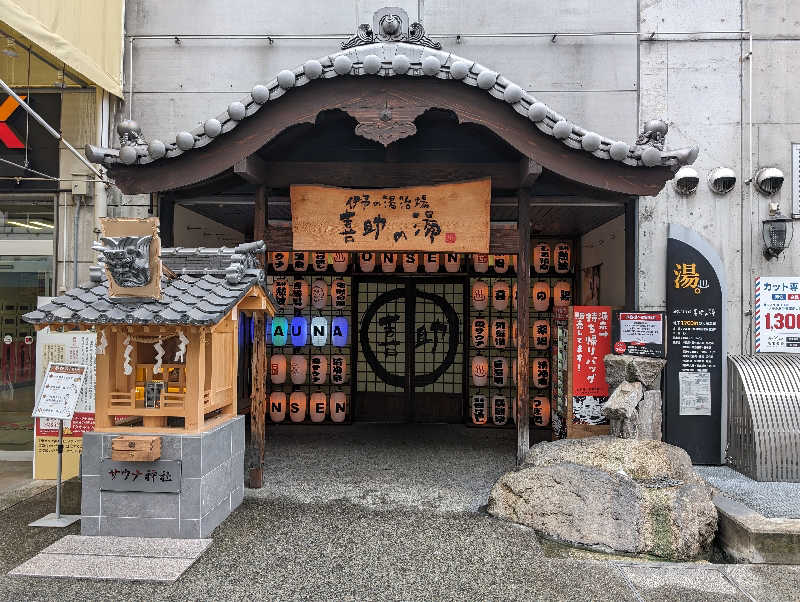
398 59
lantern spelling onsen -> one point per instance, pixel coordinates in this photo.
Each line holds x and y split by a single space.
500 294
388 262
299 331
562 294
319 294
340 262
501 264
280 330
319 260
280 261
300 261
338 407
452 262
366 261
500 410
410 262
541 258
540 410
297 406
277 369
480 295
563 257
319 369
431 262
480 333
478 409
540 333
277 406
280 290
540 372
319 331
339 294
540 292
298 367
300 294
316 406
480 262
480 371
500 333
338 369
499 371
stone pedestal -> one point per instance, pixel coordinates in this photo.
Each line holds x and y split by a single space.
211 486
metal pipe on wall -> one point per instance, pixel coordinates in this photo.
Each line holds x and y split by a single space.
76 237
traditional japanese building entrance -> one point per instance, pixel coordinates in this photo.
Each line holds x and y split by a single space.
411 363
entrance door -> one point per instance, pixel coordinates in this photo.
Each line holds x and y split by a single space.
411 362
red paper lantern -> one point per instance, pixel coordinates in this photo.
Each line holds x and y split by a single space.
366 261
277 406
280 261
480 371
499 371
500 294
540 372
540 292
338 406
562 294
280 290
478 410
339 293
480 295
540 410
317 406
563 257
297 406
500 333
480 262
319 369
452 262
480 333
300 294
298 367
320 261
410 262
388 262
500 410
540 333
541 258
501 264
431 262
338 369
514 296
277 369
300 261
340 262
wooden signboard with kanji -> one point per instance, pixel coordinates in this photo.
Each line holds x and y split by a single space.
451 217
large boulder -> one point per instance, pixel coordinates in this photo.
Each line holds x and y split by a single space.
622 495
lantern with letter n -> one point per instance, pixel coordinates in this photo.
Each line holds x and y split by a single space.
338 406
319 331
388 262
452 262
277 406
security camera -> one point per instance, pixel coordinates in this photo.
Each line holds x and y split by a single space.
722 180
769 180
686 180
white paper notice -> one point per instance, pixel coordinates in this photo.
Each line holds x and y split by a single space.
641 328
695 393
60 390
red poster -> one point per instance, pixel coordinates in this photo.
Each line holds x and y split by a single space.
591 333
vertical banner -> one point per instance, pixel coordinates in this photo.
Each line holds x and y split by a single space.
590 342
777 315
695 402
71 348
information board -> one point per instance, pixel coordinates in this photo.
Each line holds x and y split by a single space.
640 333
59 391
590 342
777 314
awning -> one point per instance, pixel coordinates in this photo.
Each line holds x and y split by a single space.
87 35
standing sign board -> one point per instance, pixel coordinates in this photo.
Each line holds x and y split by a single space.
60 391
777 314
695 408
640 333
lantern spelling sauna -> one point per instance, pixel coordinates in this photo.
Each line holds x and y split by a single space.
540 372
339 294
480 262
500 294
338 406
319 260
339 331
277 369
280 261
501 264
499 371
366 262
562 294
297 406
480 371
431 262
410 262
480 333
319 294
540 291
540 410
338 369
300 261
478 410
280 331
317 404
452 262
480 295
499 410
298 368
277 406
319 331
540 334
280 290
299 294
500 333
388 262
298 331
541 258
563 257
319 369
340 262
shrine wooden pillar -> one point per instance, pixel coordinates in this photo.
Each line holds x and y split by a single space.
523 324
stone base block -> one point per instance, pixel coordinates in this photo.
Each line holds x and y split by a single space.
211 486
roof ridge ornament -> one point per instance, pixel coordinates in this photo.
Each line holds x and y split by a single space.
391 24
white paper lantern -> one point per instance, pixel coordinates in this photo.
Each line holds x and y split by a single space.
340 262
338 406
298 367
388 262
410 262
339 331
540 372
478 410
540 410
280 261
317 404
338 369
319 331
297 406
319 260
501 263
452 262
562 294
480 371
500 294
277 406
431 262
563 257
500 410
366 261
319 294
540 334
500 333
480 295
339 293
541 258
280 290
480 262
499 371
300 261
480 333
540 292
277 369
319 369
300 294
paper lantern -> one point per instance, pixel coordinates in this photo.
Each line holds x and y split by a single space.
339 293
410 262
319 294
366 261
277 406
500 293
319 260
499 371
338 406
480 333
298 367
540 333
500 410
297 406
280 261
480 371
277 369
340 262
339 331
480 295
452 262
540 410
300 261
501 264
562 294
480 262
500 333
540 292
563 257
338 369
298 332
280 330
317 406
477 409
431 262
514 296
514 372
540 372
388 262
280 290
541 258
319 369
319 331
300 294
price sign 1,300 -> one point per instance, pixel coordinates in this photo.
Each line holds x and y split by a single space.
780 321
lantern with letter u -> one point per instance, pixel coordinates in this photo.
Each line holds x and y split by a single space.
541 334
298 366
277 406
338 406
317 406
300 261
339 331
340 262
320 261
280 329
562 294
478 409
300 294
540 410
299 331
563 261
277 369
339 293
480 333
540 372
410 262
431 262
500 333
540 291
480 371
388 262
500 410
480 262
452 262
280 261
541 258
338 369
480 295
499 371
501 264
297 406
319 331
500 294
319 369
319 294
366 261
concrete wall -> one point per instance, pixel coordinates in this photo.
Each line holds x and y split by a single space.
195 230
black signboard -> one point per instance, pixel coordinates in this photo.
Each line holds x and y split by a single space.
639 333
695 400
21 139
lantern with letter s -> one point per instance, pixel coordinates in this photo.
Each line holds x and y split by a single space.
340 262
339 331
500 294
277 406
388 262
277 369
480 371
317 406
500 410
431 262
452 262
298 366
320 261
280 290
562 294
541 334
480 295
299 331
563 253
478 409
338 406
300 261
339 293
540 291
338 369
319 369
280 329
500 333
410 262
501 264
319 331
366 261
541 258
480 262
297 406
300 294
540 410
319 294
540 372
499 371
280 261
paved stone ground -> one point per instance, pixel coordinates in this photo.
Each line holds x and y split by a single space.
773 500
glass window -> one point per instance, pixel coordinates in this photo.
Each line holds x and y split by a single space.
27 219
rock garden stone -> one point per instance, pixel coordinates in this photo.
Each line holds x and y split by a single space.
620 409
647 370
649 416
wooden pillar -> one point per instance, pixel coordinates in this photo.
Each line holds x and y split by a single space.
102 389
195 380
523 323
260 216
258 402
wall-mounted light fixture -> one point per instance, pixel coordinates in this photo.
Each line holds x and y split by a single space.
777 231
686 180
769 180
722 180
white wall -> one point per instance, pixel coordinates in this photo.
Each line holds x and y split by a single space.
605 245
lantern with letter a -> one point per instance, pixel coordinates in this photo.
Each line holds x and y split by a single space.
540 372
500 333
319 294
541 334
540 410
300 261
280 261
562 294
338 369
366 261
563 253
480 333
280 330
297 406
452 262
298 367
277 406
319 331
338 406
499 410
431 262
339 331
500 294
340 262
540 291
320 261
541 258
388 262
478 409
277 369
410 262
499 371
501 264
480 371
317 406
480 295
319 369
480 262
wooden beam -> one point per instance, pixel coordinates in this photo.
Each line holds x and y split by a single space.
523 324
251 169
258 404
529 172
